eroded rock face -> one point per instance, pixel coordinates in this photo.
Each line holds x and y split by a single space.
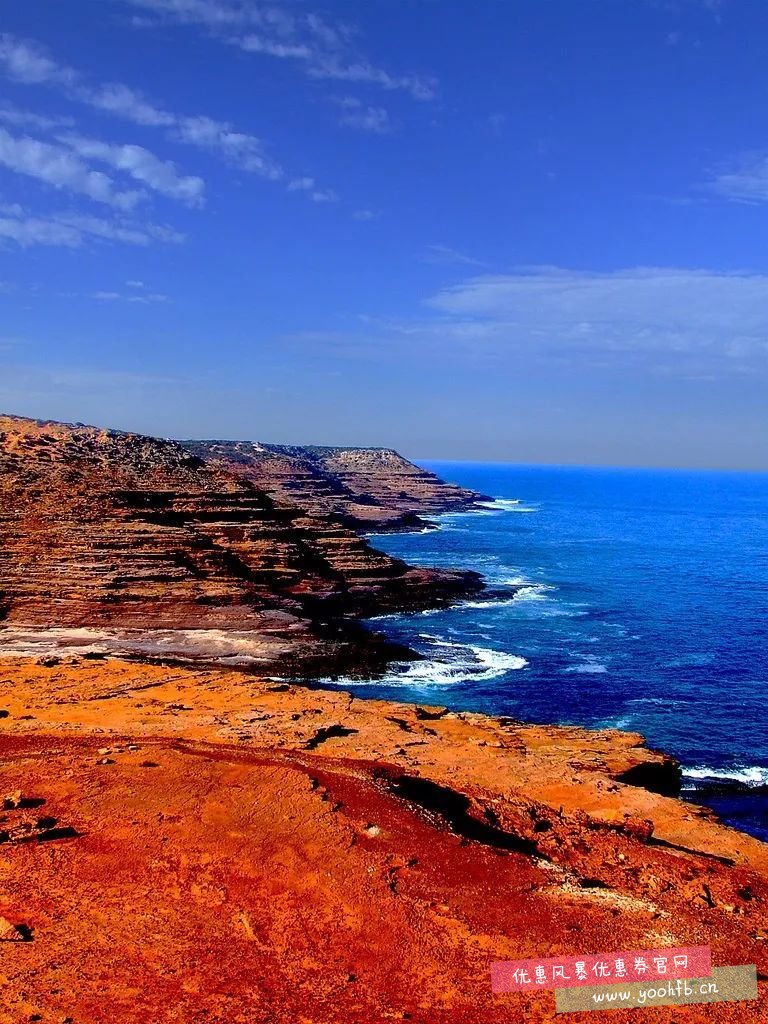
370 488
108 531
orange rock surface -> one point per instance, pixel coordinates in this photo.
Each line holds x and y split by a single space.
187 845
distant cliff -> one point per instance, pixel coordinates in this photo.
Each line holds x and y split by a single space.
369 488
133 543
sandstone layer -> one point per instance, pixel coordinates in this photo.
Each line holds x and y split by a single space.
369 488
120 542
184 845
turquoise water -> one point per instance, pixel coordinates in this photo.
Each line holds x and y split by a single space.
627 598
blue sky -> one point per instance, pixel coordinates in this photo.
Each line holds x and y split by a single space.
531 230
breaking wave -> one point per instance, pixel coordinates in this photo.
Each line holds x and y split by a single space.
752 777
446 664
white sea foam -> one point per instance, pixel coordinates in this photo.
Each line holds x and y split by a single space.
502 602
452 663
500 503
588 668
488 508
375 535
507 505
525 591
691 660
749 776
534 591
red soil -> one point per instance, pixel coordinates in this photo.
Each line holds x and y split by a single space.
225 851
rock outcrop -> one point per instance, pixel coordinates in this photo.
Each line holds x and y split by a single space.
244 852
121 542
369 488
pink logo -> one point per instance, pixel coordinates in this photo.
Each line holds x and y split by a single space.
601 969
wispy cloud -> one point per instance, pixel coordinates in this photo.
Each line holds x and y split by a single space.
19 118
237 148
73 230
24 61
62 169
139 296
366 214
745 181
444 254
324 49
661 318
356 114
310 186
140 164
695 324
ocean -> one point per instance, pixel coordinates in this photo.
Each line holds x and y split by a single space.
622 598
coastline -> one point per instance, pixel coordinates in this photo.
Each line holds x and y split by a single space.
491 839
230 842
735 787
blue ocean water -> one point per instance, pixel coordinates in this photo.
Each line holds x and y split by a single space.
635 599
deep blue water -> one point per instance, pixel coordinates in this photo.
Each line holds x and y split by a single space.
644 606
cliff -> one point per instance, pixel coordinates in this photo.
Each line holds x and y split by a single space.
122 542
369 488
187 843
184 845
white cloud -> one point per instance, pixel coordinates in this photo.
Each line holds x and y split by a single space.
213 13
356 114
24 62
11 114
364 72
325 50
324 195
159 175
316 194
73 230
144 298
365 214
746 182
129 232
122 101
301 185
258 44
663 317
28 231
242 150
59 167
694 324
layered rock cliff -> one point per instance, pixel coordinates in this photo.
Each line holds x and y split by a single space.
369 488
134 543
